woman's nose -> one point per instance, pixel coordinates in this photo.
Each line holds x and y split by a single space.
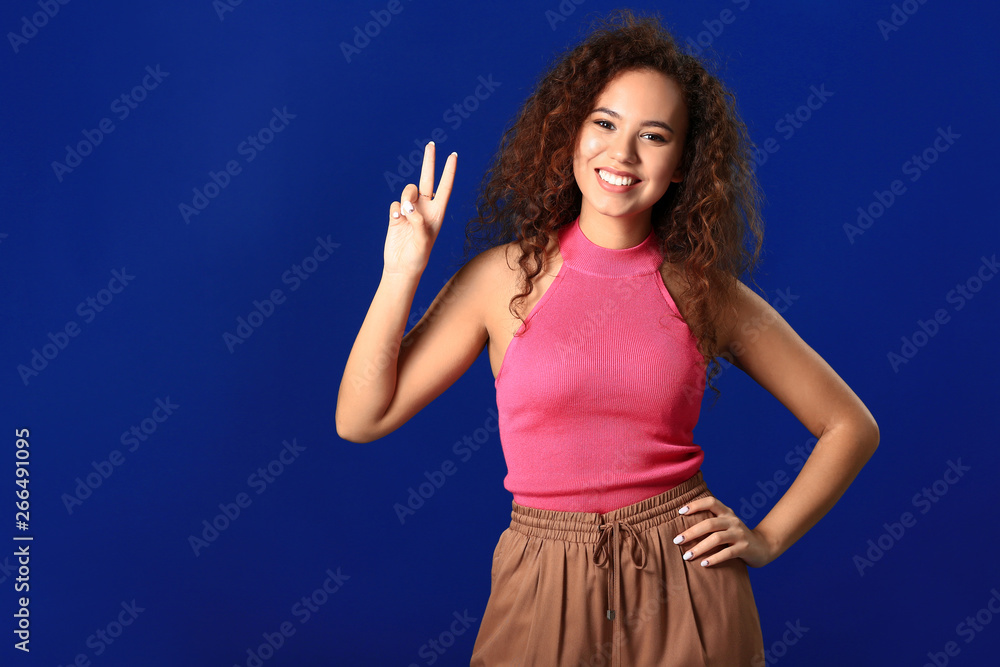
622 150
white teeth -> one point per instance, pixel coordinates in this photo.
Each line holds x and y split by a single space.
614 180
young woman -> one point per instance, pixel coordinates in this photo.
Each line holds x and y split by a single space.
617 211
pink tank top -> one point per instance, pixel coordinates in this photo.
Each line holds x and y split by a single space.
599 391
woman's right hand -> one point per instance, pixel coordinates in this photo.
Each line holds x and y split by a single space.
412 231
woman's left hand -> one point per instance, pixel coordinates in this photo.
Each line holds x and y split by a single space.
723 528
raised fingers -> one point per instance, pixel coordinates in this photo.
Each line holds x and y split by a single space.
427 170
447 178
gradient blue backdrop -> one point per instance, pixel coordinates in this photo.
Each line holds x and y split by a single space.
122 552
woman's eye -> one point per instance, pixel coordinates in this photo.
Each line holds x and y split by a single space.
607 125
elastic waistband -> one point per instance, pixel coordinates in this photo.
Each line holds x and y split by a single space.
586 526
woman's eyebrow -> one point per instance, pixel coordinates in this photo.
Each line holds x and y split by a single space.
615 114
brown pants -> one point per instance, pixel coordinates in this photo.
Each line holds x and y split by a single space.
583 589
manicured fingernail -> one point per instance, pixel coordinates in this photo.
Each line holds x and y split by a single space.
678 539
683 510
704 563
408 207
395 214
430 143
688 555
455 153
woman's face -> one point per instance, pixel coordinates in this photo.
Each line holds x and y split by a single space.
636 127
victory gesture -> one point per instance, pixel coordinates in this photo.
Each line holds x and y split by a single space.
415 220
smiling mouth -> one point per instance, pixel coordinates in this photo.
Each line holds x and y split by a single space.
616 181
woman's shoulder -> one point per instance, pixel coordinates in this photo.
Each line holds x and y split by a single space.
491 270
675 274
495 262
504 259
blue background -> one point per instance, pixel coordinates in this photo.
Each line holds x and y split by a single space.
323 176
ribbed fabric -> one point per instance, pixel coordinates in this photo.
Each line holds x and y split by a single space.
600 390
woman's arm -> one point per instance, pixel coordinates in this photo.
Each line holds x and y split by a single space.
369 379
766 348
388 377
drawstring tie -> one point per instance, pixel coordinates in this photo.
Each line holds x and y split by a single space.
604 554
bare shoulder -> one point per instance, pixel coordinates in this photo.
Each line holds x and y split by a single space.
502 278
512 253
504 272
493 268
488 277
504 261
481 277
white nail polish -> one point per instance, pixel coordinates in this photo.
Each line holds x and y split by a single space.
683 510
408 207
678 539
687 556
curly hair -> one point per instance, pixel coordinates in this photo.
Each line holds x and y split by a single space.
703 223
